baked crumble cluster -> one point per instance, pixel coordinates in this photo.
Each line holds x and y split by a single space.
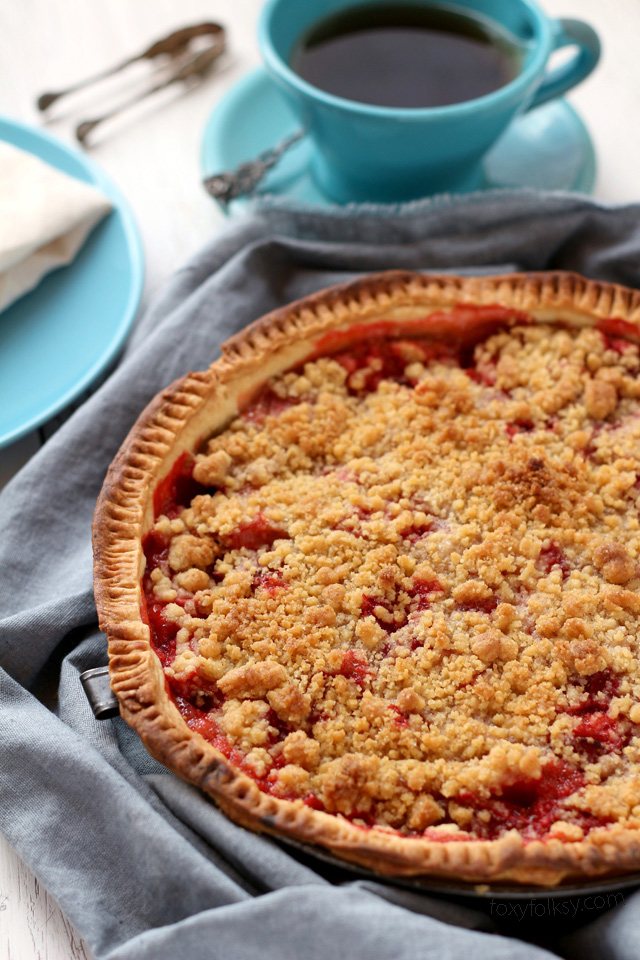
402 586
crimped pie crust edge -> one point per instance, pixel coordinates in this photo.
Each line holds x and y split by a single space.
201 403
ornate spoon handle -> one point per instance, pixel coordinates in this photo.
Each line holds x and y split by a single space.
242 181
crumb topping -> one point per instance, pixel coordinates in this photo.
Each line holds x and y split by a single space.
404 585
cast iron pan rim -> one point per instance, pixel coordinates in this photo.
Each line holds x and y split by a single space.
459 888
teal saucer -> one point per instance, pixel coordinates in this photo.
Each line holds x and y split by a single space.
547 149
59 339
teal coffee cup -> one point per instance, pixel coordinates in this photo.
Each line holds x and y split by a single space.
364 152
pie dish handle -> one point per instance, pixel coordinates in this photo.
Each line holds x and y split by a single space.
569 33
102 699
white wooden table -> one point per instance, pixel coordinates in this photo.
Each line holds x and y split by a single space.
153 156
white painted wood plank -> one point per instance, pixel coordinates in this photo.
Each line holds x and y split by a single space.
31 923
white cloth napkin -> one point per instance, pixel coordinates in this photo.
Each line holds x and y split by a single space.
45 217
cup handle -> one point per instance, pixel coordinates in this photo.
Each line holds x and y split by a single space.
569 33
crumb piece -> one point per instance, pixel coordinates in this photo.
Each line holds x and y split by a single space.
193 580
409 701
614 562
189 551
487 646
584 656
569 832
547 626
212 471
292 779
298 748
600 399
253 680
423 813
349 783
290 703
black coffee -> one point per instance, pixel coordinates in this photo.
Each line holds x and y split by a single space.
405 55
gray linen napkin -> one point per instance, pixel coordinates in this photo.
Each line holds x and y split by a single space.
142 863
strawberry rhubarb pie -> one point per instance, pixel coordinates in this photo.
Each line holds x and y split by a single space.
372 580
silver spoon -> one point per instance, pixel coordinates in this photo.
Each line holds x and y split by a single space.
241 182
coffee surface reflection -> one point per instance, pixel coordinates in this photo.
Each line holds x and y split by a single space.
405 55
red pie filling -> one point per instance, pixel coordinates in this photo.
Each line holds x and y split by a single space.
530 802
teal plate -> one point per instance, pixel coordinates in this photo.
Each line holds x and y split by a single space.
546 149
57 340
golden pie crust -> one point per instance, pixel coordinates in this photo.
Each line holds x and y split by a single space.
428 665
